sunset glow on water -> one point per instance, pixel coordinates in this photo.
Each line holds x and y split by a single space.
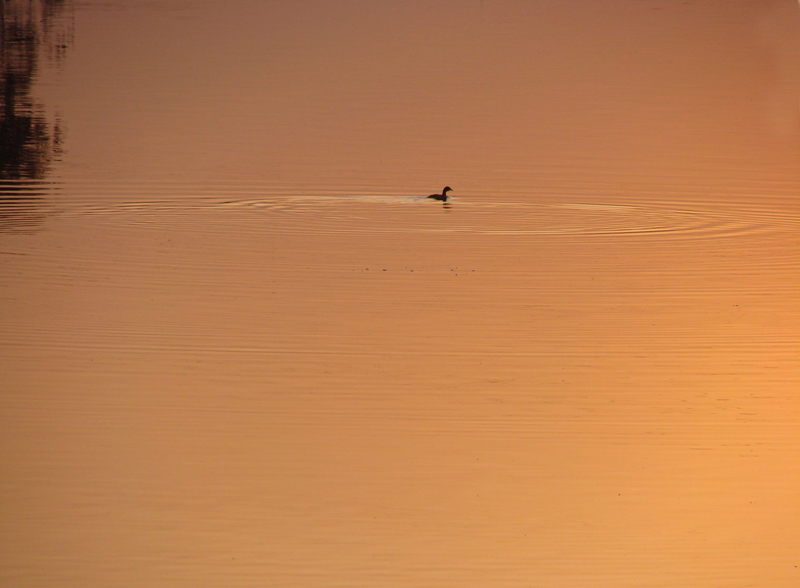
240 347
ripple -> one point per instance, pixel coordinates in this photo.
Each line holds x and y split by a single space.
345 214
24 204
364 212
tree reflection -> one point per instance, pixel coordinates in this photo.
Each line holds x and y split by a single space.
28 141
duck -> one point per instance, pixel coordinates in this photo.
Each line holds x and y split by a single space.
443 195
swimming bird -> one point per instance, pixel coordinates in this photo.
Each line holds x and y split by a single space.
443 195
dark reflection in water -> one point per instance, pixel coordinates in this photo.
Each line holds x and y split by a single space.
29 142
22 204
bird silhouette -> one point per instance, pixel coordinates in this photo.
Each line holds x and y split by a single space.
443 195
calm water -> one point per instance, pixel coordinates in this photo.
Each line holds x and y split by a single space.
240 348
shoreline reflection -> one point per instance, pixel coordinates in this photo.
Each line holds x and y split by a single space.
29 142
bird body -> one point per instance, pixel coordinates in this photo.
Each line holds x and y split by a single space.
443 195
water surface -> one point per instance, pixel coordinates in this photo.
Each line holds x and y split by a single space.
240 348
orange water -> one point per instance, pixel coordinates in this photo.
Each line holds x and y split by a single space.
240 348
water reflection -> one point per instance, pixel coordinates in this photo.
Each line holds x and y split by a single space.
29 142
22 204
249 351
